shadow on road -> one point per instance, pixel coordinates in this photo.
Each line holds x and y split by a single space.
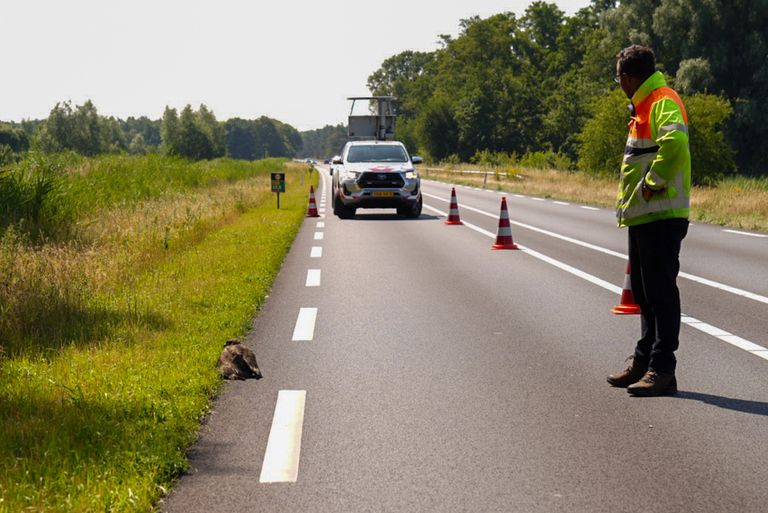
729 403
391 217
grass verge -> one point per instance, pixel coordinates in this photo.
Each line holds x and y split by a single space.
735 202
101 420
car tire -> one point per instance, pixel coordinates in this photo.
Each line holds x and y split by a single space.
341 210
412 212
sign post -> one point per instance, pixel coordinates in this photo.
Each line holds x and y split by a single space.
278 185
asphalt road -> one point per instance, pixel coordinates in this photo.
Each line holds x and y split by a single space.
438 375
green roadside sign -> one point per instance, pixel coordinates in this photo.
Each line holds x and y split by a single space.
278 185
278 182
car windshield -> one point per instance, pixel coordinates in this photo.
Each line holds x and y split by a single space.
377 153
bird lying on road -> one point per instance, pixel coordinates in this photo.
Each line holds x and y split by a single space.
238 362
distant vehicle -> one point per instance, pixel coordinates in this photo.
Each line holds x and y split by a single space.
334 165
327 161
376 174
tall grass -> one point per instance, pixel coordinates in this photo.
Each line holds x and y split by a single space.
33 196
43 195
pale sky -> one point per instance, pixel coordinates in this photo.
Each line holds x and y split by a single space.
292 60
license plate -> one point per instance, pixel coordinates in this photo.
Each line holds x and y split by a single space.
383 194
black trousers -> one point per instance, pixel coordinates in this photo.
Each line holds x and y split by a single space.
654 260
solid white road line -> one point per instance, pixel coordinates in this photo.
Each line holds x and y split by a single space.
318 235
305 324
281 458
704 281
737 232
721 334
313 278
317 252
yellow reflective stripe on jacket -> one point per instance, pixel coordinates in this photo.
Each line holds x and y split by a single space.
661 204
674 126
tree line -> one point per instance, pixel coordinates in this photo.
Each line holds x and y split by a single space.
542 83
193 134
324 142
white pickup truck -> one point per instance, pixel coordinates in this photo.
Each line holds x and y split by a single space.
376 174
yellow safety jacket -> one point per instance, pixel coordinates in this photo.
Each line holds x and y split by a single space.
657 156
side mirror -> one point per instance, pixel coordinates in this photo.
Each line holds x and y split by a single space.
417 160
338 160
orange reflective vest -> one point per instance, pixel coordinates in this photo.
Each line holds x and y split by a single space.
656 156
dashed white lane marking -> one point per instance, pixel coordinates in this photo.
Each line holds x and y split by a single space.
714 331
281 458
317 252
313 278
305 324
320 224
698 279
321 210
737 232
537 199
516 195
318 235
589 208
560 203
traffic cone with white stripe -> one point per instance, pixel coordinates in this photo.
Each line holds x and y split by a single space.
453 214
504 235
627 305
312 209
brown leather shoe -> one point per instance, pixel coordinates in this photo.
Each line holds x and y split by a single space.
653 384
628 376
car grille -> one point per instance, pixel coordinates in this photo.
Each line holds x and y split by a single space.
371 180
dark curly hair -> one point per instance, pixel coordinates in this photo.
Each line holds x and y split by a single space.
637 61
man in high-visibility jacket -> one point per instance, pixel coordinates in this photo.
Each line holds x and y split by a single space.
653 202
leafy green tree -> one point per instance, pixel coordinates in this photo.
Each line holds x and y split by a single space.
694 76
193 134
149 130
292 140
194 142
259 138
567 110
170 133
213 130
604 135
436 129
324 142
712 158
398 76
15 139
240 139
79 129
137 146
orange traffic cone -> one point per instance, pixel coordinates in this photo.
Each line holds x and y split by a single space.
312 209
627 305
453 214
504 235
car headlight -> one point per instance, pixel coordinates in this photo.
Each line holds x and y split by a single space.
411 175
